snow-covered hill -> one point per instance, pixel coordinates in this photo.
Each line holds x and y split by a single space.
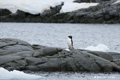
38 6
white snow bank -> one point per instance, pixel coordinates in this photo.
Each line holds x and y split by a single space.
16 75
70 6
99 47
32 6
38 6
118 1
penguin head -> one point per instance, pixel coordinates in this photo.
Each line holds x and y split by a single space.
62 3
70 37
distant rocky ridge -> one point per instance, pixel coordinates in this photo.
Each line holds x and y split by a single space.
19 55
80 1
105 12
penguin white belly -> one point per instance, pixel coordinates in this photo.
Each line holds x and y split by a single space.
69 42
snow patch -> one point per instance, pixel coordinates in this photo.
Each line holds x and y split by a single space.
70 6
16 75
67 49
32 6
99 47
118 1
38 6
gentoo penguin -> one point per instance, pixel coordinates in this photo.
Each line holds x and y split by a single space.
70 42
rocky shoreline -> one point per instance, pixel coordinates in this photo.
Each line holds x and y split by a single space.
107 11
19 55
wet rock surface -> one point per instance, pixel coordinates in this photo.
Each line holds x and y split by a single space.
19 55
107 11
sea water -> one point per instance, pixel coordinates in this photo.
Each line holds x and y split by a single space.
55 35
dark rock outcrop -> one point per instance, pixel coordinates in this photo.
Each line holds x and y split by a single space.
21 16
52 11
116 58
4 12
20 55
107 11
80 1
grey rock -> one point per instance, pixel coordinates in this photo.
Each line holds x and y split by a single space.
36 46
52 10
33 18
102 54
80 1
115 55
15 46
49 51
19 64
8 58
24 53
4 12
117 61
33 68
35 61
19 55
77 60
14 49
21 14
13 41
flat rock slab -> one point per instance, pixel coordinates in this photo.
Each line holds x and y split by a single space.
20 55
8 58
